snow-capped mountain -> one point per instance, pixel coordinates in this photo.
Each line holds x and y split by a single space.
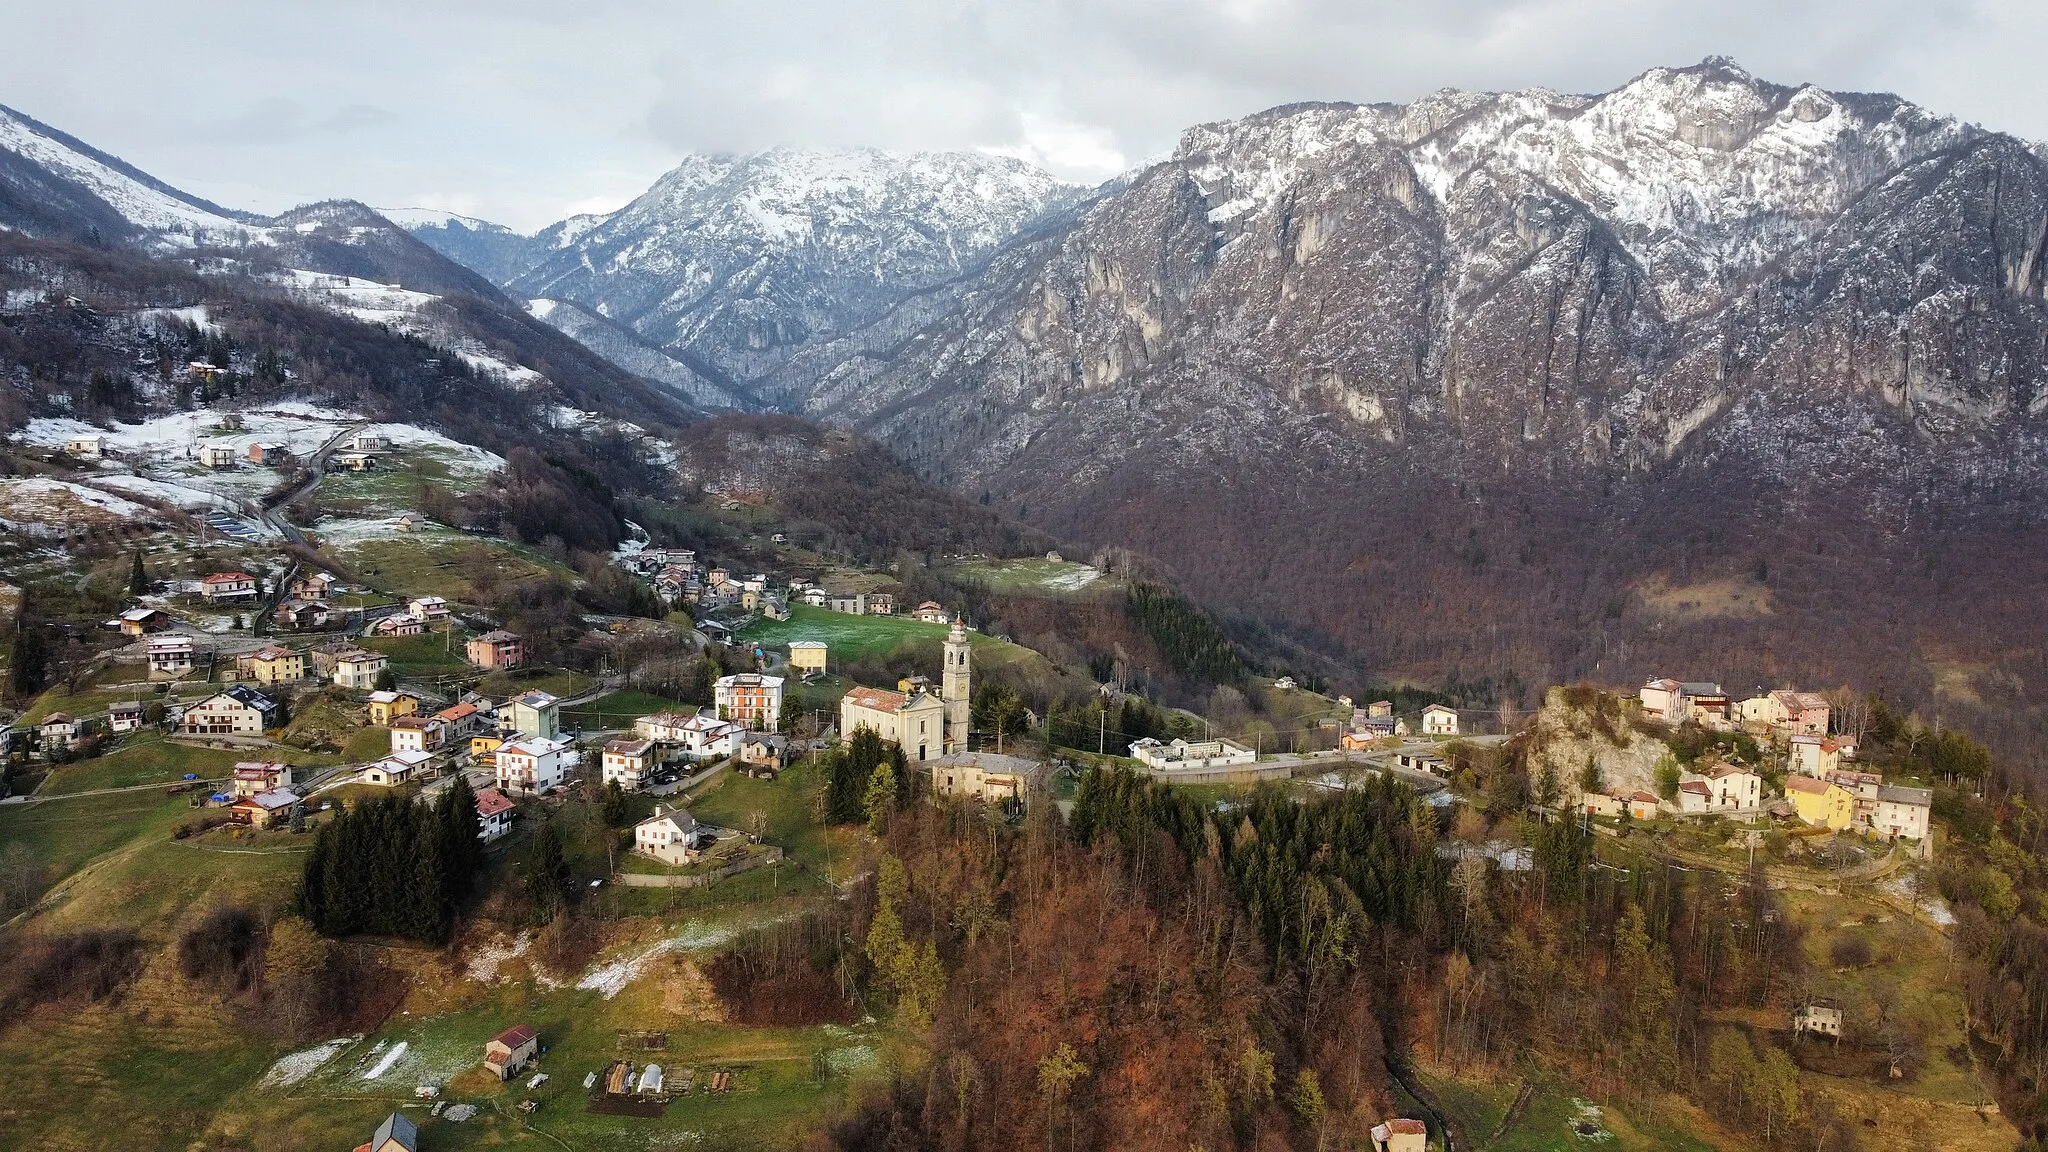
53 184
1694 325
491 250
731 264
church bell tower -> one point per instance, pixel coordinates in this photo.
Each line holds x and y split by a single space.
956 687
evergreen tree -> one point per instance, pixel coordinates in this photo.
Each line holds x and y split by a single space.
28 657
614 805
460 830
138 577
547 872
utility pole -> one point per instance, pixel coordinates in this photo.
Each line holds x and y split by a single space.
1101 728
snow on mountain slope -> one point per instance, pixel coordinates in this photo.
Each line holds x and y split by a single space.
621 347
147 203
739 261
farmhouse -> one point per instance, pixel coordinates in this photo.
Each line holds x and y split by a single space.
124 716
668 835
749 698
217 455
495 649
1819 1016
237 710
228 586
1438 720
511 1051
930 612
914 723
1642 805
85 447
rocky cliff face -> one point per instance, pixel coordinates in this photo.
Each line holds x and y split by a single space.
1449 381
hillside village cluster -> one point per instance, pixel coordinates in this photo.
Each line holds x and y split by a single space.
514 747
1822 787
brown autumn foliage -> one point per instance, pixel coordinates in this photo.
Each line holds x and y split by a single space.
1144 979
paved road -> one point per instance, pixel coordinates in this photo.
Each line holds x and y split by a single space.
317 466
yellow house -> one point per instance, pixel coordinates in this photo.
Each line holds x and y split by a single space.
806 656
484 749
274 665
1821 803
388 706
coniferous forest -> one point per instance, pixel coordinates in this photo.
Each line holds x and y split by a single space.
394 867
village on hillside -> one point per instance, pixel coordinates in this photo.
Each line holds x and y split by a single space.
698 748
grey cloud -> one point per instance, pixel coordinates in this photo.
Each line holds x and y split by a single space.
518 109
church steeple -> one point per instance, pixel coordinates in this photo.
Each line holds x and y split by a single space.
957 686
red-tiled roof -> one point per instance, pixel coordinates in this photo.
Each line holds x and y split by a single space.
491 802
1405 1127
228 578
514 1037
878 699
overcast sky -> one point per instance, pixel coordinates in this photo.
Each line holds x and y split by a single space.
523 112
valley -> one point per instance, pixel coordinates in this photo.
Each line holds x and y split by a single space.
894 650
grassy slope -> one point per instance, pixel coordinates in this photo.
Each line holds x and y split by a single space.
1036 576
852 637
150 759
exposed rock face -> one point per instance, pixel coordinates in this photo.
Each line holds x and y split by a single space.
1446 380
732 263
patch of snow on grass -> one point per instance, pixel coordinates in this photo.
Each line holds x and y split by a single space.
485 961
391 1057
1074 581
611 979
289 1070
